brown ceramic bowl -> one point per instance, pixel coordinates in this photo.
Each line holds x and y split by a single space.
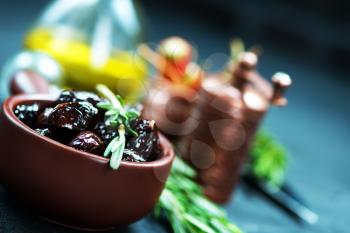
75 188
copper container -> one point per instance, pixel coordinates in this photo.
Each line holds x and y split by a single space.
230 114
171 106
214 149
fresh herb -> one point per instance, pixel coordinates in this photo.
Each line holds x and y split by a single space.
119 116
116 148
116 111
183 204
268 159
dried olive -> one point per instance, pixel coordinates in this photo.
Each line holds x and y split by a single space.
66 97
107 133
43 118
142 125
146 145
77 116
132 156
89 142
87 96
78 96
28 114
43 131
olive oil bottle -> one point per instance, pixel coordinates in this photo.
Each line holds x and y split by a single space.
95 42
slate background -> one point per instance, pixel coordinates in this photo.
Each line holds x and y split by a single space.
307 39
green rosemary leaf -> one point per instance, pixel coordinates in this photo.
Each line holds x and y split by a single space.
226 224
114 118
157 211
123 116
189 186
176 224
116 159
199 224
219 226
179 166
118 149
132 114
121 100
190 228
112 112
132 132
268 159
129 129
109 147
233 228
165 199
107 93
113 122
118 144
175 202
209 206
103 105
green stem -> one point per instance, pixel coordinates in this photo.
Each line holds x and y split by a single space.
107 93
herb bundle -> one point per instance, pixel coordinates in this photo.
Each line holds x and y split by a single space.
119 116
184 206
268 159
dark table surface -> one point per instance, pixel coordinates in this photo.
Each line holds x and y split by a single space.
314 127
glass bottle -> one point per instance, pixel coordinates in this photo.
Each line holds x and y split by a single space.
95 42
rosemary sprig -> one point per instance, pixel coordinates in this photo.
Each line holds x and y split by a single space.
119 116
116 111
116 148
183 204
268 159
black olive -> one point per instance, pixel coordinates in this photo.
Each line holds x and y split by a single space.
107 133
142 125
28 114
77 116
157 148
132 156
43 118
78 96
146 145
89 142
90 112
43 131
66 97
87 96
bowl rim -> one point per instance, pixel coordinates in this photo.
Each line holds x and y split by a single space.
8 110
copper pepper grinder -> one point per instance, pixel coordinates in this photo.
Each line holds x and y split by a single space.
215 147
230 113
257 93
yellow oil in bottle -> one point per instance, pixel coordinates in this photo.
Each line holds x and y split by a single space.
123 72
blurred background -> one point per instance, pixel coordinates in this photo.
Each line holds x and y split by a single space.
310 40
